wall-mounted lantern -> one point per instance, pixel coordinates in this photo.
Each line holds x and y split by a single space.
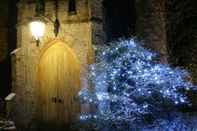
38 23
37 28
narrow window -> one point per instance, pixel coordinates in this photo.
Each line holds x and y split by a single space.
72 7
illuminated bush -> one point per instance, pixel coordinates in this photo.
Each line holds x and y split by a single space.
132 91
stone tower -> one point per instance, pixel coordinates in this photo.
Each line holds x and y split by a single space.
60 57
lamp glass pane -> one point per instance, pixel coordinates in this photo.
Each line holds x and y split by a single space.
37 29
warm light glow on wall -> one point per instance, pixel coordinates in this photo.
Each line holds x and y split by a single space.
37 29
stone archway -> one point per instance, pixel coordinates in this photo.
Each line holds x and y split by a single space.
59 84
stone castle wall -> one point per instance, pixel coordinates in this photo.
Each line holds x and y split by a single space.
78 31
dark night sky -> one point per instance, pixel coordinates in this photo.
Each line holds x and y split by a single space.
3 7
120 18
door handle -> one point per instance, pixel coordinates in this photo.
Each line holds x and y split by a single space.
60 101
54 99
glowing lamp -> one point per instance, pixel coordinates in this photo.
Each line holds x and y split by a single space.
37 29
37 23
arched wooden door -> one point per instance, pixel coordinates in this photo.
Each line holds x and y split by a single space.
59 84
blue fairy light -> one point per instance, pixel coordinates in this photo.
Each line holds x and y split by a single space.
130 84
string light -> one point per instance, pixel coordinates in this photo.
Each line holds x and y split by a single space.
130 84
